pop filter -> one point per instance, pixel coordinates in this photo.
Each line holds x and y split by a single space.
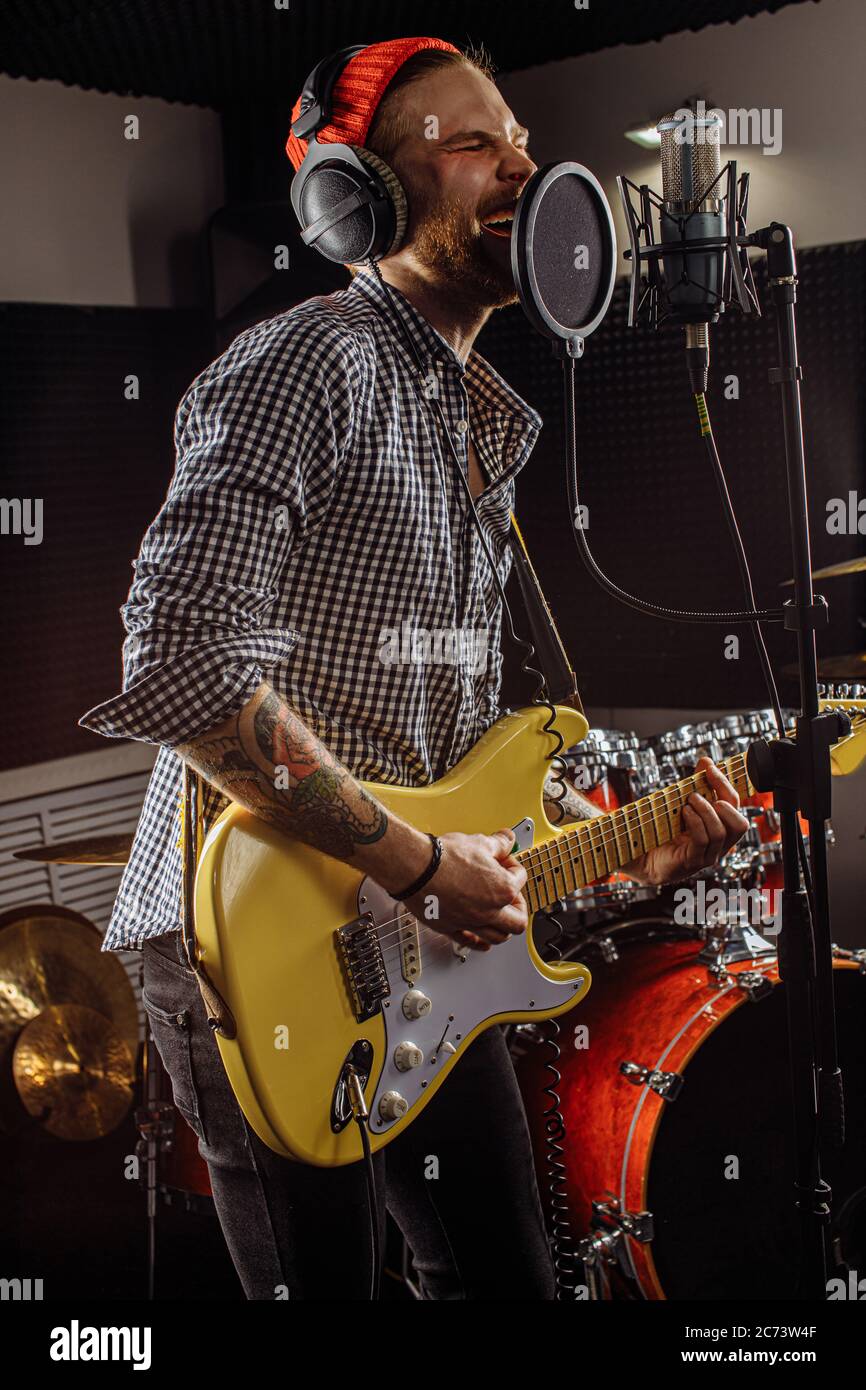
563 251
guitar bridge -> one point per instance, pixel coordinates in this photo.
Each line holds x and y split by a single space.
363 965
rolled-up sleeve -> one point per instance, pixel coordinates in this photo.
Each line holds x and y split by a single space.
261 437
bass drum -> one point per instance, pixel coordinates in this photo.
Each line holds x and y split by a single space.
677 1113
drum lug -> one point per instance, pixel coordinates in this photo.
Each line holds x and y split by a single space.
609 1224
601 1247
666 1084
755 985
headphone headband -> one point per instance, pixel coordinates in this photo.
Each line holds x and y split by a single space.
318 92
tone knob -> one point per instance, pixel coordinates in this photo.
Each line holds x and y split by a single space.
392 1105
407 1055
416 1004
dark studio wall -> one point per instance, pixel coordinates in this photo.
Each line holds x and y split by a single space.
102 464
655 521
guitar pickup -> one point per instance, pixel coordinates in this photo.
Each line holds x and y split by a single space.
363 966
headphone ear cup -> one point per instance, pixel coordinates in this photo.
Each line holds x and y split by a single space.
396 191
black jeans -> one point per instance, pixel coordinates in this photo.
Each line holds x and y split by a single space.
459 1182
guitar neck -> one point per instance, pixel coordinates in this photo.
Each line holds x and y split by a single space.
603 844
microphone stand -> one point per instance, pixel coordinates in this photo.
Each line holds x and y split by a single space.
798 773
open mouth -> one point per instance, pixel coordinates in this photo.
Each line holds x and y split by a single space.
499 223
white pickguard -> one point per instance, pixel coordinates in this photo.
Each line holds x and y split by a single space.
464 989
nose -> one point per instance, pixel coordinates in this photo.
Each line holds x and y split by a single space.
517 167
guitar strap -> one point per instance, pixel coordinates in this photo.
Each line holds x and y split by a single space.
219 1015
552 656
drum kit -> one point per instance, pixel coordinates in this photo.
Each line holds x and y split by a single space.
666 1142
662 1116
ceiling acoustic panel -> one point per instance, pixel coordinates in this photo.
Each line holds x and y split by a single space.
219 52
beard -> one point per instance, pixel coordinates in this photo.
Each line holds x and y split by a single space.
444 240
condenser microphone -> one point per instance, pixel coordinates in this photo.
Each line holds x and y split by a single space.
693 209
695 262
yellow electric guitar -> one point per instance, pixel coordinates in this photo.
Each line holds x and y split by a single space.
321 967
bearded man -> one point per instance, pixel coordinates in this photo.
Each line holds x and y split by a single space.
255 648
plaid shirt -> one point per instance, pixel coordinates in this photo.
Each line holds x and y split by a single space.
314 530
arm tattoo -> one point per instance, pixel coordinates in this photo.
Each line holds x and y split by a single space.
274 766
571 807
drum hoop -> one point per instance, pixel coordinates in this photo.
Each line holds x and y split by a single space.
651 1143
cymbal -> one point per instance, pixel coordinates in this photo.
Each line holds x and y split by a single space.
856 566
51 955
73 1071
90 849
835 668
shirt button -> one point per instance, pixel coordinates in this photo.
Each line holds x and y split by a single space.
462 426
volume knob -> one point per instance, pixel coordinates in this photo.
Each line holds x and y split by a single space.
407 1055
416 1004
392 1105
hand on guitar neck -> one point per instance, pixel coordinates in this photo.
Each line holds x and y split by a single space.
710 829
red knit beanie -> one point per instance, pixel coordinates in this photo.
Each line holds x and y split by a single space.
358 91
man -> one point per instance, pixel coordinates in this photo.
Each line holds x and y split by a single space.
314 509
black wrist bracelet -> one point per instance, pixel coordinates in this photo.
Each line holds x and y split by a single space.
427 874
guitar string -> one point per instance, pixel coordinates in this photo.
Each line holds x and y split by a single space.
732 765
537 877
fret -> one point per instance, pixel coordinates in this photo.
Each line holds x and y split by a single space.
538 904
648 823
636 807
566 868
604 837
524 857
531 882
740 779
678 807
616 819
541 884
654 811
587 865
591 824
548 869
599 873
672 833
634 841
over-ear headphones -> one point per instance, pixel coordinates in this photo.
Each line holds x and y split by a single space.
350 204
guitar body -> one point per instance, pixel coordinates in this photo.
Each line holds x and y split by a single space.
269 913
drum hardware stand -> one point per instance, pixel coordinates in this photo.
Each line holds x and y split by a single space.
155 1123
799 776
727 942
